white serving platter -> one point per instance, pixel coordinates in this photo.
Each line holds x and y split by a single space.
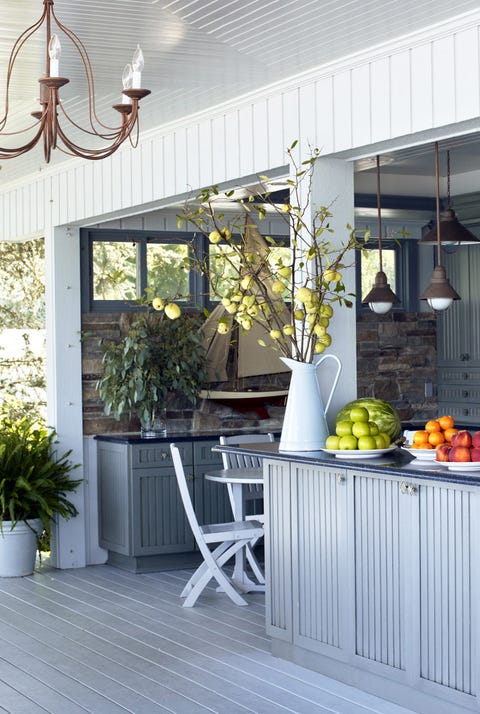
422 454
359 453
460 465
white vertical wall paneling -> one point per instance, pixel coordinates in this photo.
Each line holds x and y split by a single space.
106 186
116 181
205 152
361 110
245 138
232 144
421 87
443 77
219 153
342 110
400 96
97 179
158 168
260 136
89 188
125 178
11 222
307 115
466 91
181 161
169 165
291 118
324 114
193 154
72 194
138 196
380 92
276 146
146 151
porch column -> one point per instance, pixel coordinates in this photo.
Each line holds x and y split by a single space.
64 380
333 186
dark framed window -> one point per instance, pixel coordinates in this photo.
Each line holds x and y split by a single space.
399 258
120 265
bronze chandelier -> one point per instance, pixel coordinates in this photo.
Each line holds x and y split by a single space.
49 121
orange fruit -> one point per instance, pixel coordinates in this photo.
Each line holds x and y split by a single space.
448 433
446 422
436 438
420 437
422 445
432 426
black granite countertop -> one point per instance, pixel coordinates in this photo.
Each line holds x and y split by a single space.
135 437
397 463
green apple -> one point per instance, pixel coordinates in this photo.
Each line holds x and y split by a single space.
348 443
386 438
374 430
380 441
366 443
332 442
361 428
359 414
343 428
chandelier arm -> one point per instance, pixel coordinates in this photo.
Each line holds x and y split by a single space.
6 153
20 41
111 135
73 149
82 51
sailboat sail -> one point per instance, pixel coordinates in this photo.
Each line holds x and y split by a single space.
251 358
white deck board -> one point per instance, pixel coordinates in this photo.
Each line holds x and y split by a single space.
103 640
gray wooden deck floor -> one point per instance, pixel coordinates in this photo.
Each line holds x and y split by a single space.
105 641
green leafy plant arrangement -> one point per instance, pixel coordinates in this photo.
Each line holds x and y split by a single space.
34 479
155 357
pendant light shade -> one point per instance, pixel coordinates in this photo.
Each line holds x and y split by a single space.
439 293
453 232
381 297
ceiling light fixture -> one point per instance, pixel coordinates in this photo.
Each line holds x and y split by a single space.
381 297
439 294
50 119
453 232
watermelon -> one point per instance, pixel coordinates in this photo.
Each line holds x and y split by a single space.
382 413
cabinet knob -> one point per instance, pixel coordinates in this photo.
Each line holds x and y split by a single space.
340 479
464 357
408 488
164 455
465 393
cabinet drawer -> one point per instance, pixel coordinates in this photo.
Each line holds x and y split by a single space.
203 454
458 375
147 456
468 413
459 393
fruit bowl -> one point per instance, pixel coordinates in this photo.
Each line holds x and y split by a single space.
359 453
421 454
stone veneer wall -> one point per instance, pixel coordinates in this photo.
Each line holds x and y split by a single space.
396 355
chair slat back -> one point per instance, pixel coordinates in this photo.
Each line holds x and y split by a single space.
240 461
185 493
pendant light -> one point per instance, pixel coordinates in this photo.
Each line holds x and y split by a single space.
453 232
381 297
439 294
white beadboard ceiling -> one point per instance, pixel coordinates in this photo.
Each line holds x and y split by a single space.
199 53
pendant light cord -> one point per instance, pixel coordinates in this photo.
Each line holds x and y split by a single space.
437 182
379 216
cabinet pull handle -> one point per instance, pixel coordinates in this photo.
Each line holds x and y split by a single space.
340 479
408 488
164 455
465 393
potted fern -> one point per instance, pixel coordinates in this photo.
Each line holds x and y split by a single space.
34 487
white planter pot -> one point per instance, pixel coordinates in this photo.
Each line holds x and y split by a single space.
18 548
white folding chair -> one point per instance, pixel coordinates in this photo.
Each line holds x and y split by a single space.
254 491
231 537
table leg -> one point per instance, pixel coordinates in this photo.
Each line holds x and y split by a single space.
240 577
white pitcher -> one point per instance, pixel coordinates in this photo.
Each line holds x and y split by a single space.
304 425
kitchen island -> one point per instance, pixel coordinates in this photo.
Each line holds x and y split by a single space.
372 572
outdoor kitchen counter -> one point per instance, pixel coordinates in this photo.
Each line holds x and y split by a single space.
373 574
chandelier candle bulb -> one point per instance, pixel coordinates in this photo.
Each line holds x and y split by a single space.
138 64
127 81
54 52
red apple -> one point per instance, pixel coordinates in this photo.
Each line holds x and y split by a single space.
463 438
443 452
476 439
475 453
459 453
